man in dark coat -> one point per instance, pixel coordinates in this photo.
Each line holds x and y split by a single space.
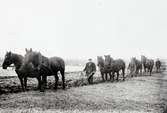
158 65
90 70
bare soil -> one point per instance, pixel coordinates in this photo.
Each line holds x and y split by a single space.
144 94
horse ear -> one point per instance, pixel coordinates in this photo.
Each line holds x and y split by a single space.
30 49
26 50
9 52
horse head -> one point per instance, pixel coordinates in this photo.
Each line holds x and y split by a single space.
107 60
8 60
31 60
143 59
133 59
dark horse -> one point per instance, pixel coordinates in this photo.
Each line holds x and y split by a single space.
158 65
17 60
110 65
115 65
104 70
148 64
45 66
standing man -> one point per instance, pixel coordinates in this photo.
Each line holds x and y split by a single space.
158 65
90 70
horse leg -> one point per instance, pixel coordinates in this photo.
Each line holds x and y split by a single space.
141 70
144 69
106 76
123 72
148 70
136 73
131 73
39 82
113 75
25 83
117 76
21 82
151 70
56 81
102 76
110 75
43 83
63 78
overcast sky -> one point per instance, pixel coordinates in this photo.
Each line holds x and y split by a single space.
84 28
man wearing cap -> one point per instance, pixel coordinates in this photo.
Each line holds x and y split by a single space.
90 70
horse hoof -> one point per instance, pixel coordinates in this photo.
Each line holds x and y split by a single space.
36 89
64 88
55 88
26 89
42 90
23 90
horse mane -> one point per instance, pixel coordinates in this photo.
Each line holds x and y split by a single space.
17 55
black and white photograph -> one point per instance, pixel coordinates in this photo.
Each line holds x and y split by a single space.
83 56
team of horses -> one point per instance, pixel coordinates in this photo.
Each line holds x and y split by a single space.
35 65
135 66
110 66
